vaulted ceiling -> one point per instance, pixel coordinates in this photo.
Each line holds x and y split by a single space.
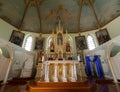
41 16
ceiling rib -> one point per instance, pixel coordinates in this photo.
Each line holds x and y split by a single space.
93 10
79 14
25 11
39 15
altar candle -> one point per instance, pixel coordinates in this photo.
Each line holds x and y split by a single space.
78 58
43 58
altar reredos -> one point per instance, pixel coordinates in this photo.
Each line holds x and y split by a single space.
60 47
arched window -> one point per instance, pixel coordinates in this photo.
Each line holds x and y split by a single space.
91 42
0 51
49 41
28 43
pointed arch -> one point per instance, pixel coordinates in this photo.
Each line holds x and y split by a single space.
91 42
0 51
48 41
28 43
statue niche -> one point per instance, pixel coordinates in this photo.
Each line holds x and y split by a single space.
59 39
51 46
60 47
67 47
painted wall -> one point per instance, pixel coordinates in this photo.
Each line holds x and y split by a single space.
113 29
6 30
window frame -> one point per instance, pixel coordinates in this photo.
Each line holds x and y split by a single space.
94 42
25 41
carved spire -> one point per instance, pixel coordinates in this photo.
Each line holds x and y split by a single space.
66 33
53 35
59 22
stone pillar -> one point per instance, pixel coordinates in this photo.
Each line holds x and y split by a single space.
40 72
64 79
112 70
71 69
56 68
47 72
80 70
72 76
75 71
7 73
64 70
55 77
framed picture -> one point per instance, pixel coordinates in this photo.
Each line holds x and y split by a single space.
80 43
17 37
102 36
39 43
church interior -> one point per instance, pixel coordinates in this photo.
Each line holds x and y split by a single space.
59 45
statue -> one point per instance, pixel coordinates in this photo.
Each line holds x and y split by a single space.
59 39
51 46
60 46
67 47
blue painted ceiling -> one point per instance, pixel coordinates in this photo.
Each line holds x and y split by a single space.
41 16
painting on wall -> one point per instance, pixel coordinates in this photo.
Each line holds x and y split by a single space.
80 43
102 36
17 37
39 43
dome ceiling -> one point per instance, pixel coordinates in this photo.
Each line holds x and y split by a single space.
41 16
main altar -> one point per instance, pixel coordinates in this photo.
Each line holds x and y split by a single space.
58 64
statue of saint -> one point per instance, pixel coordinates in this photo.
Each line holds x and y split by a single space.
67 47
51 46
59 39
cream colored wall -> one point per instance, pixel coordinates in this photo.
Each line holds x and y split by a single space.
5 30
113 29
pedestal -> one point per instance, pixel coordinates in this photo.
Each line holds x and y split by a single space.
64 79
55 77
71 73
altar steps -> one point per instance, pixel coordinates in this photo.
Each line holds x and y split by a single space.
82 86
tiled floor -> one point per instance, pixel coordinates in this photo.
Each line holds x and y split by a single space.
100 87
